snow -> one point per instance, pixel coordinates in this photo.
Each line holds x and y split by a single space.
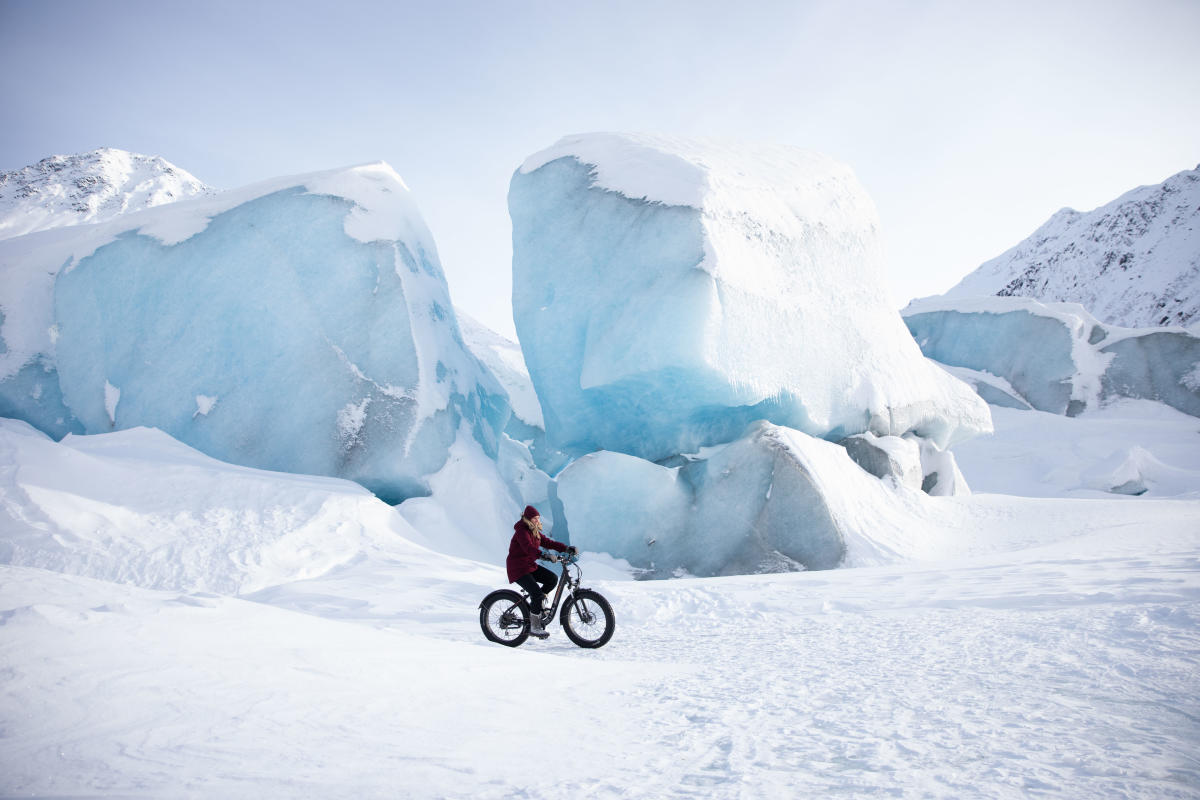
1038 454
204 404
1134 262
669 292
112 396
1030 645
87 188
173 625
136 506
313 306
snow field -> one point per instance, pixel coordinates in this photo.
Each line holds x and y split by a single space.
1068 672
1038 454
1003 647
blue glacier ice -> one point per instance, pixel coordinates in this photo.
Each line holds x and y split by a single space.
302 325
667 293
1055 356
33 394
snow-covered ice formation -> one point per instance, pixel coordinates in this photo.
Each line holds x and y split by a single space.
774 500
1134 262
669 292
503 357
88 187
302 324
1055 357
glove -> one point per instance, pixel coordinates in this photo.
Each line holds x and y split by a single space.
571 551
552 558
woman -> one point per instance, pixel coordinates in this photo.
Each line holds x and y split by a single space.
523 569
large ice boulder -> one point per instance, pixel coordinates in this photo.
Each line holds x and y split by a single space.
1055 357
301 325
773 500
668 292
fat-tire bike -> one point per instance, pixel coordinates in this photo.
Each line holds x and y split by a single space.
586 616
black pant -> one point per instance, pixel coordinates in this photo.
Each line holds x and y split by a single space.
529 583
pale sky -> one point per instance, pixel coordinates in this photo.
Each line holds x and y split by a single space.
968 123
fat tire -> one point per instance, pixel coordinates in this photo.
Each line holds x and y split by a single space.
600 605
510 598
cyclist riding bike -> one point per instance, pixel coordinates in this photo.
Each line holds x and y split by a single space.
523 553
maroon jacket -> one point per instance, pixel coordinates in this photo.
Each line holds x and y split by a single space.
523 551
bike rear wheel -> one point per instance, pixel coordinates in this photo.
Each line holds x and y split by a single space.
504 618
588 619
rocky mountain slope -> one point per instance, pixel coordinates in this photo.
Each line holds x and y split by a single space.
88 187
1134 262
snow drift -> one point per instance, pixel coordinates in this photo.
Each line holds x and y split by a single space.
668 292
138 507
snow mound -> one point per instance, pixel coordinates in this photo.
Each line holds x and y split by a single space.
668 292
138 507
1134 262
1055 356
89 187
1039 454
302 324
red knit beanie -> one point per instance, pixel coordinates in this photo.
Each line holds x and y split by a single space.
530 512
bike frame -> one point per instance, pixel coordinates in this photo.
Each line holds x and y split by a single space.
564 580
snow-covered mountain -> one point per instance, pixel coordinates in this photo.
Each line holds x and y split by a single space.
88 187
1134 262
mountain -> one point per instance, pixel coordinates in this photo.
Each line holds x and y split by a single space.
1134 262
88 187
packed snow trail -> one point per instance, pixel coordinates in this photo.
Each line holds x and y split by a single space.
1067 671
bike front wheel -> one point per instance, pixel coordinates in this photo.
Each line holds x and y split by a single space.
588 619
504 618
